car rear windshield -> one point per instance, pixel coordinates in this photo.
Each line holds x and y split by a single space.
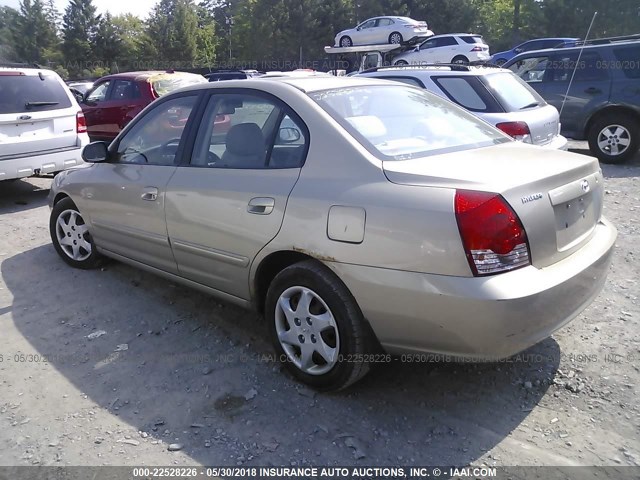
471 38
167 83
402 123
31 93
512 93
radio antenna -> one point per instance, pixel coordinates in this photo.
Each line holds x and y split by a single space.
575 68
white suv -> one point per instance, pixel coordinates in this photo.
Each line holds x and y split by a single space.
42 128
450 48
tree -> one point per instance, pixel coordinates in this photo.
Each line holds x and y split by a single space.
107 42
33 34
79 27
8 20
172 31
206 40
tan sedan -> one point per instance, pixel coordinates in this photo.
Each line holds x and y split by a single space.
352 213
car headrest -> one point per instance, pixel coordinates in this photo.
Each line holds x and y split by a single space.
245 139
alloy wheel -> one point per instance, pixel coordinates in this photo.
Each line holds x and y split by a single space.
614 140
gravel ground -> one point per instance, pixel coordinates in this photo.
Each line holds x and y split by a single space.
118 367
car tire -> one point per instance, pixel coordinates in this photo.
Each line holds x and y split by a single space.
346 42
401 62
608 132
329 321
461 59
396 38
78 250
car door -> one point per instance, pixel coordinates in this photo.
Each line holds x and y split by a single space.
92 107
126 195
366 32
228 202
438 50
121 106
551 76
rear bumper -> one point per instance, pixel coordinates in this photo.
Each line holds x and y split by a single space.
558 143
479 318
44 163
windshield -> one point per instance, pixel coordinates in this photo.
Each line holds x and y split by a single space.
512 92
402 123
31 93
168 82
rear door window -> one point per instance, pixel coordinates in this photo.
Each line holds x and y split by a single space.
31 93
587 68
628 60
471 39
468 92
531 70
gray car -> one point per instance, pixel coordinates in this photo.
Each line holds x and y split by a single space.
362 218
596 89
495 95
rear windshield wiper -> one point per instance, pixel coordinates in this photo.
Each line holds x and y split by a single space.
40 104
531 105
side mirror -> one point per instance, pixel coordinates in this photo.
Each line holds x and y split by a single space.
417 49
95 152
288 135
358 28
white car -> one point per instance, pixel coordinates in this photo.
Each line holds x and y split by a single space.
450 48
496 95
380 30
42 128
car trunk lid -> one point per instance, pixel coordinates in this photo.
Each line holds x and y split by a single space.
556 195
30 133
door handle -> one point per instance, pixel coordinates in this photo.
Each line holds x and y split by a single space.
593 91
261 205
149 194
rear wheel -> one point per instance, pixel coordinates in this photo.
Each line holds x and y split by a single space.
70 236
401 62
461 59
346 42
317 328
396 38
614 138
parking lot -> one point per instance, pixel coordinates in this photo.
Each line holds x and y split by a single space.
118 367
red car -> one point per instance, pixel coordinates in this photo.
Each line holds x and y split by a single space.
116 99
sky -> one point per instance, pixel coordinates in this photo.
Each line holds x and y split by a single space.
136 7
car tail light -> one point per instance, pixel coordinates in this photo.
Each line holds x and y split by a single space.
81 123
518 130
476 49
493 237
12 74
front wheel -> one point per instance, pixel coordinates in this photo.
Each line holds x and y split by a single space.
614 138
70 236
317 328
346 42
395 38
401 62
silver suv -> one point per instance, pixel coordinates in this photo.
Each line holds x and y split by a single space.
42 129
495 95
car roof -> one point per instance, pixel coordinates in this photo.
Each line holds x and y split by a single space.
565 50
27 70
307 84
145 75
416 70
455 35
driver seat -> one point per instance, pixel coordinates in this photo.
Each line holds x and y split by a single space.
245 147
